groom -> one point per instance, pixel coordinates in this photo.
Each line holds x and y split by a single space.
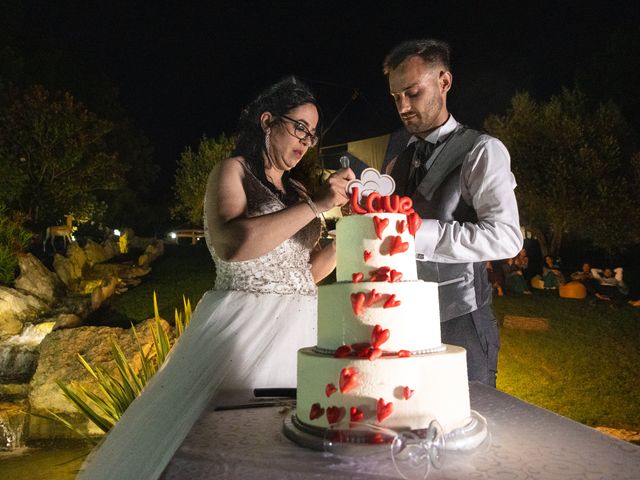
462 187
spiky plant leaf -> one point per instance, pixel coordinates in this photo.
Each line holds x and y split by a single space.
118 391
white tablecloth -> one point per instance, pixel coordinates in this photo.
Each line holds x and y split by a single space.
527 442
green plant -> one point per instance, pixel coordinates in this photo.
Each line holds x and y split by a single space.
192 174
593 162
13 239
119 389
56 154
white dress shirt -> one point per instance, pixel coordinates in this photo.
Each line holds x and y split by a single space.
488 185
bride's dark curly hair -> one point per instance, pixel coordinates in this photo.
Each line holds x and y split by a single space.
278 99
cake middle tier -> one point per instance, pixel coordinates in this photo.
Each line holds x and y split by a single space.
412 315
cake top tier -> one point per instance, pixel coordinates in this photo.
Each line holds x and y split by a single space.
376 242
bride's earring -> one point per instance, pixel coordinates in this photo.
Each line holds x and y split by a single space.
267 140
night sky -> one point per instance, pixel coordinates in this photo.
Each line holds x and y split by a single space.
185 69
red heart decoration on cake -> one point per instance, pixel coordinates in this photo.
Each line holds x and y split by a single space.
401 226
343 351
379 224
414 221
335 414
404 353
380 274
374 354
391 302
364 352
378 438
357 302
383 410
398 246
372 297
395 276
330 389
348 379
356 414
379 336
407 393
357 277
366 256
316 411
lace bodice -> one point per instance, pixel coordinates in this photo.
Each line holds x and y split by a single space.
284 270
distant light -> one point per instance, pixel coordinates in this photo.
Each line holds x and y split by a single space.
173 235
116 232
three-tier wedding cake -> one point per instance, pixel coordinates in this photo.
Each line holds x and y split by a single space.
379 357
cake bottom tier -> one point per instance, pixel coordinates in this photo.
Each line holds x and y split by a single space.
420 388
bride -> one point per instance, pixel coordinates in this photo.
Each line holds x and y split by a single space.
262 229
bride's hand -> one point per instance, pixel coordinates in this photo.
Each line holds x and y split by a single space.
333 192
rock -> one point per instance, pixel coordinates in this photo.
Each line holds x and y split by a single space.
104 270
151 253
132 282
95 253
130 272
64 269
70 268
58 361
16 308
105 290
78 257
77 305
156 249
111 247
143 260
66 320
10 392
38 280
88 285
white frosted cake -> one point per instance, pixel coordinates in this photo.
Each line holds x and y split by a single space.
379 357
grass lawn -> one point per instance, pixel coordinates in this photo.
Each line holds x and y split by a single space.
183 270
585 367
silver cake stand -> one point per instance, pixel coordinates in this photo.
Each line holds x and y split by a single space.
464 439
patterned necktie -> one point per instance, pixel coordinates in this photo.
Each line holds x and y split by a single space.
421 155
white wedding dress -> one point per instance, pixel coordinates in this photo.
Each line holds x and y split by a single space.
244 334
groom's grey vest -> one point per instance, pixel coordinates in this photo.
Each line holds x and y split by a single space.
464 287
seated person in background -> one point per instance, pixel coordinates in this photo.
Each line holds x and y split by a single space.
551 273
522 261
514 277
585 277
496 278
610 285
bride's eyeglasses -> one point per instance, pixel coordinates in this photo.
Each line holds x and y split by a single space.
301 132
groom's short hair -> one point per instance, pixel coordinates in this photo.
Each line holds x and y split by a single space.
431 51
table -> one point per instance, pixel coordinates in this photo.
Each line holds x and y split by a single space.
527 442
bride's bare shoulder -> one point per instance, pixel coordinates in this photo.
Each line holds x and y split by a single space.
229 169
